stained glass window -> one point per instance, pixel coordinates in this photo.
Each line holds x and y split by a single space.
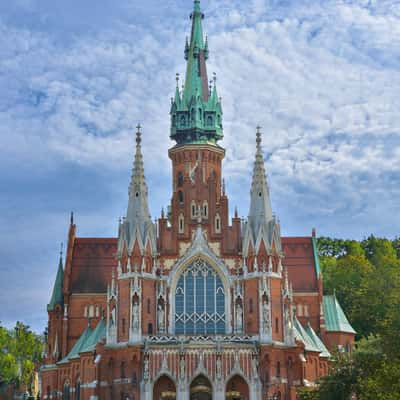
199 301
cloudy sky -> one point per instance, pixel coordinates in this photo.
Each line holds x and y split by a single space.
322 77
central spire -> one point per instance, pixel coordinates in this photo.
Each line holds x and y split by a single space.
196 113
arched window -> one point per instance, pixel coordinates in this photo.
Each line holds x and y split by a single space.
181 224
85 312
183 121
209 120
91 311
193 209
205 209
217 224
78 389
173 120
180 179
180 197
278 369
300 310
97 311
150 328
66 391
199 301
200 114
306 310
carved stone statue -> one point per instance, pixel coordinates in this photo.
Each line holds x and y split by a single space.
254 366
265 314
288 322
161 318
219 368
239 318
112 316
135 316
182 368
146 374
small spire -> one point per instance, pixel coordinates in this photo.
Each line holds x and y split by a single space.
71 220
177 80
162 213
236 212
223 186
61 250
260 211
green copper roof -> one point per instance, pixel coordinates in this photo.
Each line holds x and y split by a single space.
317 341
57 295
87 341
303 336
196 112
98 334
316 257
335 319
78 346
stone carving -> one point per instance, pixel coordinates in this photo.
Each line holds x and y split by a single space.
135 316
239 318
112 316
146 372
161 318
182 368
254 367
265 314
219 368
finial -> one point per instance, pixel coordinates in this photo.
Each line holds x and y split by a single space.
138 134
214 78
72 218
177 79
61 250
223 186
258 135
210 85
162 212
236 212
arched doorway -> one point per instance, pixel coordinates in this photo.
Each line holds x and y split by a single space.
164 389
237 389
201 389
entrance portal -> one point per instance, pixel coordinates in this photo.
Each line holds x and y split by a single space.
237 389
164 389
201 389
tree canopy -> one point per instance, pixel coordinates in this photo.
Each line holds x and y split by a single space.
365 277
20 351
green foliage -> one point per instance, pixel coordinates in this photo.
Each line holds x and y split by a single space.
20 351
365 276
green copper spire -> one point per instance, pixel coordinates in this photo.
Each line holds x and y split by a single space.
196 112
57 295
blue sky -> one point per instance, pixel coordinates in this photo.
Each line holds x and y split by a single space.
321 77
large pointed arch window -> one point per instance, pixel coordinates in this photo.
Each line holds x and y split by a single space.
199 301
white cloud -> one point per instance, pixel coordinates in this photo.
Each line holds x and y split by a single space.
322 78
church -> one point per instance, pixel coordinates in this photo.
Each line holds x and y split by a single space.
195 305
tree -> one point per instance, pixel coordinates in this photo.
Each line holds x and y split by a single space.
20 351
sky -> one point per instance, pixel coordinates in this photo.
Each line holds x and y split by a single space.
322 78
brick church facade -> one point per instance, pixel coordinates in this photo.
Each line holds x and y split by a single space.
197 305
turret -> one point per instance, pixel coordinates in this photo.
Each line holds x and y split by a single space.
196 112
57 294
